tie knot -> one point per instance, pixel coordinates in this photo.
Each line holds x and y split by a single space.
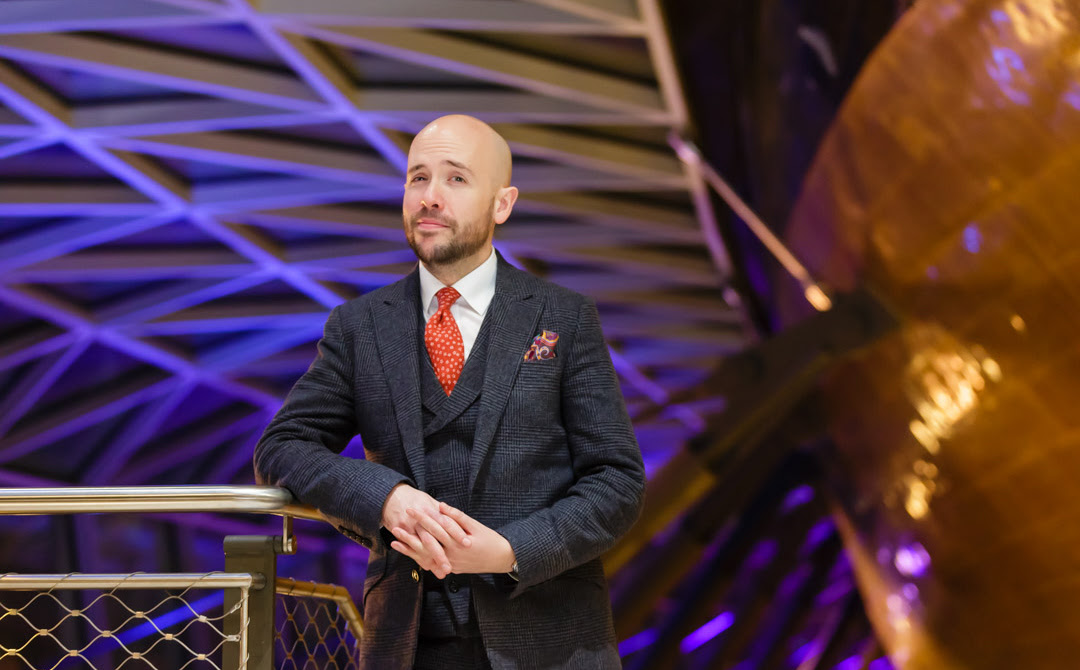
447 296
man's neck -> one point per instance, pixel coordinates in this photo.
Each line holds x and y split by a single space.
450 273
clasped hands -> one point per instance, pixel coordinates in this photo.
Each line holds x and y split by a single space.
441 538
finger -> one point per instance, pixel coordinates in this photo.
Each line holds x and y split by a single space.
434 525
454 530
440 566
437 531
467 523
435 551
404 549
431 509
405 537
415 549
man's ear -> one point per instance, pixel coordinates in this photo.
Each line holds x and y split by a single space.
504 203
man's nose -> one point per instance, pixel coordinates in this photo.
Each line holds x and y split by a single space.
432 198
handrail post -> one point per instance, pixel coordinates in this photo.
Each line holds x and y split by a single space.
257 555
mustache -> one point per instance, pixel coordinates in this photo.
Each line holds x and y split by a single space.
427 214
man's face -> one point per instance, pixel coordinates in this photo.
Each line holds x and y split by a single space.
449 202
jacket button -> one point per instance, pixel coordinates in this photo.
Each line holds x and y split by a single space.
454 586
415 576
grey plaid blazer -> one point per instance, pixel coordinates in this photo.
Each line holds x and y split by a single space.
555 466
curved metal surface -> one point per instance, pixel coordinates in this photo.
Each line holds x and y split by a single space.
131 581
948 186
76 500
288 586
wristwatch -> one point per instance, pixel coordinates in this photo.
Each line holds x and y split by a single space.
513 572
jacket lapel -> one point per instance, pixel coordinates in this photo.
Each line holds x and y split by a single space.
397 337
515 312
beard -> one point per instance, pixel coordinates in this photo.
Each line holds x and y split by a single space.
464 242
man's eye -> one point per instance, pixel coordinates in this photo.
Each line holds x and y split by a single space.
459 178
418 178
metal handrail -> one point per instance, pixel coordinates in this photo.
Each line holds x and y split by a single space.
83 500
690 155
132 581
290 587
248 559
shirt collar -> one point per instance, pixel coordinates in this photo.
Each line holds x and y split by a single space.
476 288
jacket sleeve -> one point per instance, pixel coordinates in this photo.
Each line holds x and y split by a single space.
609 476
301 448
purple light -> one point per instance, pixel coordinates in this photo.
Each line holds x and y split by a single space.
801 653
881 664
637 642
910 591
972 238
169 618
849 663
707 632
1072 96
796 497
1006 67
821 531
158 624
762 554
912 560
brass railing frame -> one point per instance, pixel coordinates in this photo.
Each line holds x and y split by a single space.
250 560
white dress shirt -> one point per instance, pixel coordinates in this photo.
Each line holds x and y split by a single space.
476 288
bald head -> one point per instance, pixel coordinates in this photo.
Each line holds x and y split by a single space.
457 191
490 154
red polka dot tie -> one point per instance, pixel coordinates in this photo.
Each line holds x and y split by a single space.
443 340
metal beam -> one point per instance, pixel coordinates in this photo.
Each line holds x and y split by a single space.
71 197
462 15
68 317
44 209
21 348
48 242
137 432
264 154
322 76
191 445
24 146
80 414
614 211
496 65
364 222
39 16
245 350
174 298
270 192
218 320
30 389
160 117
27 96
135 263
591 152
671 268
541 178
601 10
160 67
419 105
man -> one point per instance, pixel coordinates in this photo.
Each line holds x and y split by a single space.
500 461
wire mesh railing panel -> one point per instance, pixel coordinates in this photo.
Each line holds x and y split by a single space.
106 622
313 633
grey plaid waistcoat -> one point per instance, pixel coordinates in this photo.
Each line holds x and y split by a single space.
449 427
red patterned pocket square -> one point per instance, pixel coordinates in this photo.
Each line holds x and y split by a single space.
543 346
